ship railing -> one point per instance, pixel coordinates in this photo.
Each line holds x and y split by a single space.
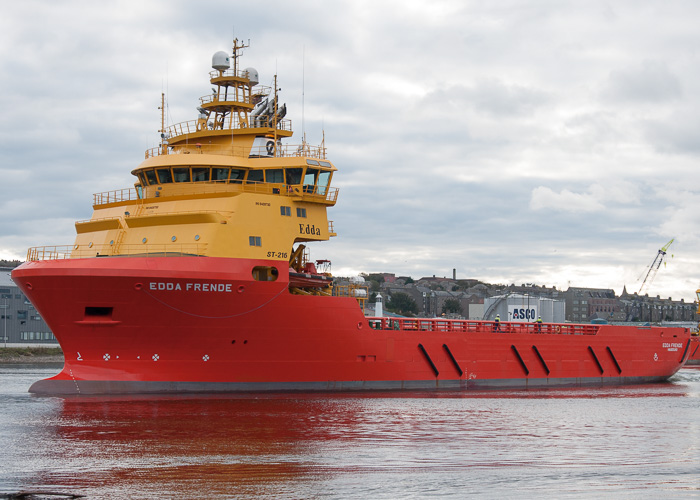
329 194
290 151
251 99
125 218
237 74
228 123
466 326
98 219
90 250
306 193
209 98
281 151
116 196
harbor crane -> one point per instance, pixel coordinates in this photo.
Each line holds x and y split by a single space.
654 267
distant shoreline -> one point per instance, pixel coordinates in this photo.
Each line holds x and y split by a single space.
23 355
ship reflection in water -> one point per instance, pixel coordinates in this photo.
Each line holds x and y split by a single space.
641 440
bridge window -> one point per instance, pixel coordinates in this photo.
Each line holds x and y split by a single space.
200 175
310 179
237 176
255 176
294 175
220 174
275 176
164 175
181 174
323 179
151 177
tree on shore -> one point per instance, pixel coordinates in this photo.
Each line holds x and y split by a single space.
402 303
452 306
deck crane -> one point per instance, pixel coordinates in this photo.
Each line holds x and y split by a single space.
654 267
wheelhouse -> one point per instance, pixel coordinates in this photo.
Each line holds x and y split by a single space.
312 178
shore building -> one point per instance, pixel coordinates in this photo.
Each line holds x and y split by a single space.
20 323
524 308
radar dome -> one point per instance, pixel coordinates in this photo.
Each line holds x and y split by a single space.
220 61
252 75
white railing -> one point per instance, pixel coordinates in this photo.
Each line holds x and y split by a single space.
134 250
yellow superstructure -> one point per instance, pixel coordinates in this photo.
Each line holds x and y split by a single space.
222 185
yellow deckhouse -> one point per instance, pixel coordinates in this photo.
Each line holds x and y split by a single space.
222 185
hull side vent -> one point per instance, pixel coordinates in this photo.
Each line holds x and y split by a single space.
98 312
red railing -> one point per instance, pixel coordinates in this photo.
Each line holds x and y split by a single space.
460 325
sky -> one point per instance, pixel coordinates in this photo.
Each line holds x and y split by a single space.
548 142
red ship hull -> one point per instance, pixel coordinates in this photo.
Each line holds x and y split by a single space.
694 352
203 324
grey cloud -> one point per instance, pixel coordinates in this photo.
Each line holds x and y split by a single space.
443 121
497 98
490 96
677 133
649 82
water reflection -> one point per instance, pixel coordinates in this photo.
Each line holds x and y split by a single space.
387 445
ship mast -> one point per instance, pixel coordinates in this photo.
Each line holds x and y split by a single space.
274 121
163 141
235 55
238 110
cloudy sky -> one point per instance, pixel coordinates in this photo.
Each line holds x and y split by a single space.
554 142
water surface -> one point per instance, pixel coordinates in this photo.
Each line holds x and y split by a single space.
629 442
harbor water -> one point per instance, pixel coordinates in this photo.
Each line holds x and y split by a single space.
623 442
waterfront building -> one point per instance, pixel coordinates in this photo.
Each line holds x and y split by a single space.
20 322
656 309
523 308
586 304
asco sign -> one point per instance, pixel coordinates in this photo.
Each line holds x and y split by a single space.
522 313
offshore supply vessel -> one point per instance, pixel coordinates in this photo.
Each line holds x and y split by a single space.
197 279
694 354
